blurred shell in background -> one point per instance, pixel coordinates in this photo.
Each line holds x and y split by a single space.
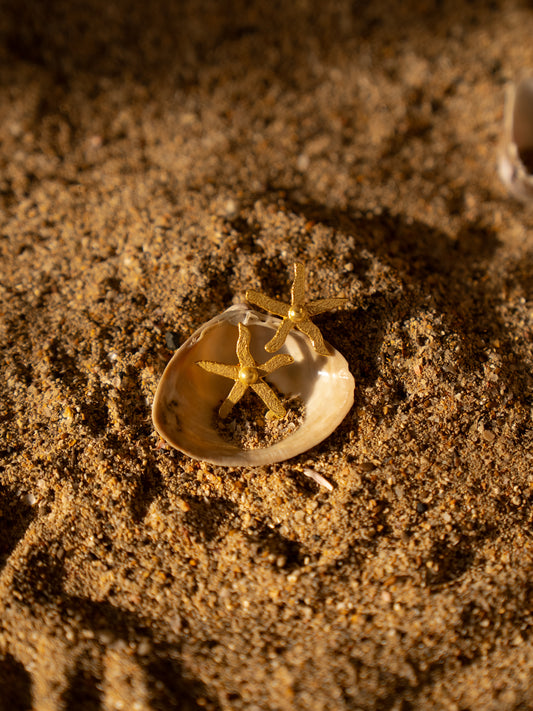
516 159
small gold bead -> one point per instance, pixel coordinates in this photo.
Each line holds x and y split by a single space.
248 375
297 314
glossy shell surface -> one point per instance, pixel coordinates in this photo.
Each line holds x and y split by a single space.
516 156
187 397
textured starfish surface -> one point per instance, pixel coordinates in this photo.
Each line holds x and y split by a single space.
247 374
297 314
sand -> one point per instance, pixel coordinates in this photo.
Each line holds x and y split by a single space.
157 160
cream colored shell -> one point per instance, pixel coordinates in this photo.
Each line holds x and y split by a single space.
516 154
187 397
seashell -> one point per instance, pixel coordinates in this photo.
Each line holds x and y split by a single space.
516 158
187 397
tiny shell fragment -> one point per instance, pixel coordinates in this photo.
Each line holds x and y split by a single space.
320 480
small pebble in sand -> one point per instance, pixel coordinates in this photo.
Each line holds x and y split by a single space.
172 340
231 209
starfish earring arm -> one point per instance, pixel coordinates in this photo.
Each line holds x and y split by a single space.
298 285
273 306
248 374
227 371
281 334
235 394
276 362
297 314
243 347
318 307
313 332
268 396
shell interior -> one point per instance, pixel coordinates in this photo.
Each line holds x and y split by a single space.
187 398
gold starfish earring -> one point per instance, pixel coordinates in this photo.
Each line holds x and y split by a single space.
297 314
248 374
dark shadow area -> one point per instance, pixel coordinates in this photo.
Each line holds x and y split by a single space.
219 277
169 684
109 40
15 685
217 292
170 687
164 40
275 277
83 691
40 580
23 372
64 366
246 235
133 410
395 691
354 330
447 275
451 559
520 276
15 517
521 515
94 411
205 518
289 554
149 487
